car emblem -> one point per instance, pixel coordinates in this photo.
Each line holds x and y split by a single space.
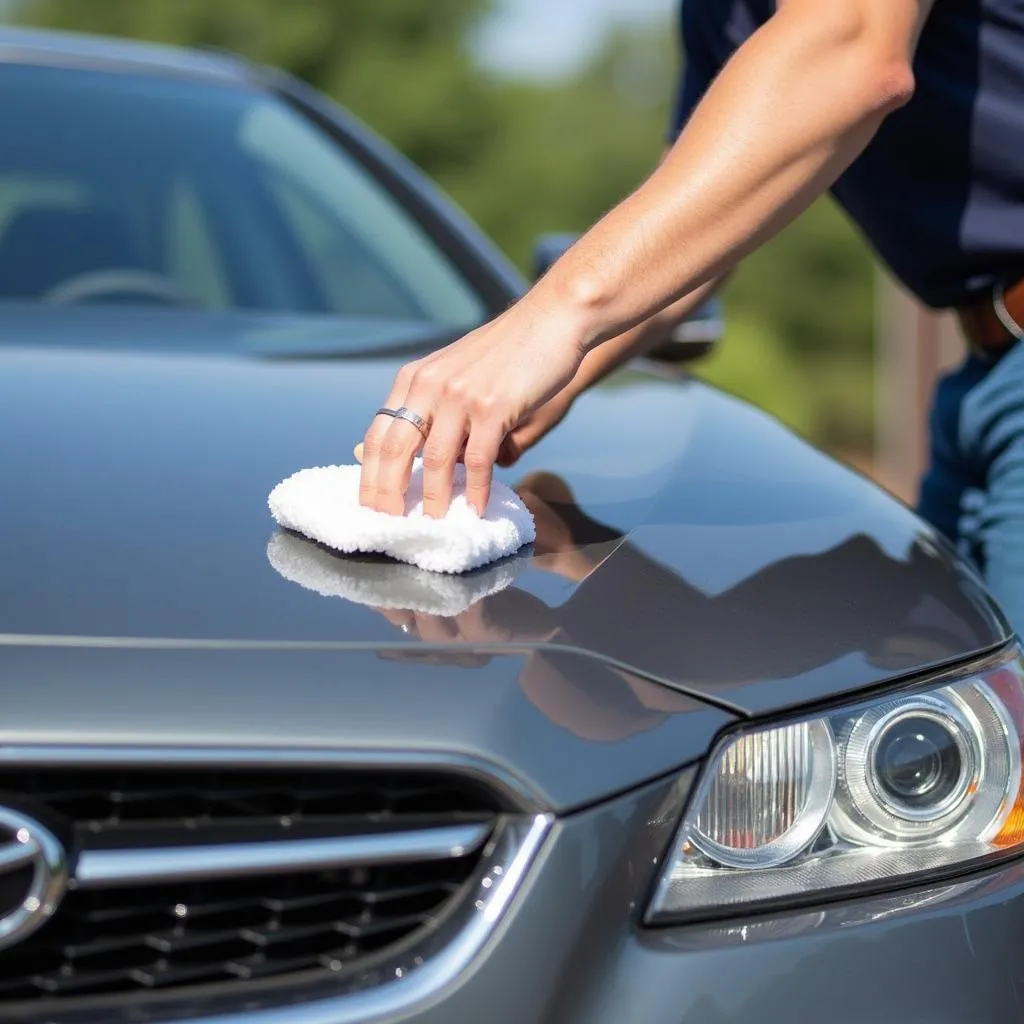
33 875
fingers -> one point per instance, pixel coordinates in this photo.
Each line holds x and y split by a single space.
457 414
394 466
440 454
374 439
481 454
370 459
358 452
446 445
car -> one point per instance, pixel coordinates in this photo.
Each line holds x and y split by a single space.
736 740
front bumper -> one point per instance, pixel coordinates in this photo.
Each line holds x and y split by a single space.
571 950
573 953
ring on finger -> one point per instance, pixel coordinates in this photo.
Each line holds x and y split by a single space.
414 418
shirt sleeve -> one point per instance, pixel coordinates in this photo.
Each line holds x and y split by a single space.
692 86
705 43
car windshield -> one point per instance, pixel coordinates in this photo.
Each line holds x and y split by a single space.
195 194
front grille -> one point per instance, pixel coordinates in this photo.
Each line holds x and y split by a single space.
228 929
161 937
98 801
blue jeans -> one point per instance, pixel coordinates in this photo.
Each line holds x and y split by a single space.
974 489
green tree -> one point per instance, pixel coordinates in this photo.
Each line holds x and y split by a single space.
527 157
401 65
570 150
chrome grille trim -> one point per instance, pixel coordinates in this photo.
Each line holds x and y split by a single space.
412 977
109 868
394 982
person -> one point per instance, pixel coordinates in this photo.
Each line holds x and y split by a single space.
911 112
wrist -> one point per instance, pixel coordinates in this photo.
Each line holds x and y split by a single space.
595 366
578 303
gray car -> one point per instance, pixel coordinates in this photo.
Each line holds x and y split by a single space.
737 740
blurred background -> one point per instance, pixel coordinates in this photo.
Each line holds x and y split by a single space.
537 116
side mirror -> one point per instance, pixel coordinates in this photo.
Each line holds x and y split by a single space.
695 336
689 340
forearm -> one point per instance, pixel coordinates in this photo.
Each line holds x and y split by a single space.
794 107
604 359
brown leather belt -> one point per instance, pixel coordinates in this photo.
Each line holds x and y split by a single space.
994 324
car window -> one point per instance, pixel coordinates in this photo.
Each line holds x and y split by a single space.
350 278
191 255
18 192
136 188
365 251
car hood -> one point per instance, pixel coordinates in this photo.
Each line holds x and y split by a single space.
694 561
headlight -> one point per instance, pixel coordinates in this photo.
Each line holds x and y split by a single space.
921 783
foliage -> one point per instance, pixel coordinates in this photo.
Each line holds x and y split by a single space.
402 65
528 157
807 297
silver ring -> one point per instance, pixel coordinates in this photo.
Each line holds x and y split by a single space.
385 411
412 417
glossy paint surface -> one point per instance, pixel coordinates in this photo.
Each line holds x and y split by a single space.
554 730
681 533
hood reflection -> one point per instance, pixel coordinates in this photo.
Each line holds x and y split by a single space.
384 584
482 610
790 617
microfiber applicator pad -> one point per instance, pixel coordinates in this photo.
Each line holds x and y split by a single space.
323 504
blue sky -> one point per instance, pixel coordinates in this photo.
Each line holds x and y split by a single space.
552 37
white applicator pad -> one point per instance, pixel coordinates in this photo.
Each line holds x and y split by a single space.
323 504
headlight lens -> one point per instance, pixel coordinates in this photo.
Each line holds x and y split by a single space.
916 783
768 797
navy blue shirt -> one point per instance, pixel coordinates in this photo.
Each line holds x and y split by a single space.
939 192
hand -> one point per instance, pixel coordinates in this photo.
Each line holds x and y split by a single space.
535 426
526 434
471 394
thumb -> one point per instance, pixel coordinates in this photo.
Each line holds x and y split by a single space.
519 441
508 454
530 431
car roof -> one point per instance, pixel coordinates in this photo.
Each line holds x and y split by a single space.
68 49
